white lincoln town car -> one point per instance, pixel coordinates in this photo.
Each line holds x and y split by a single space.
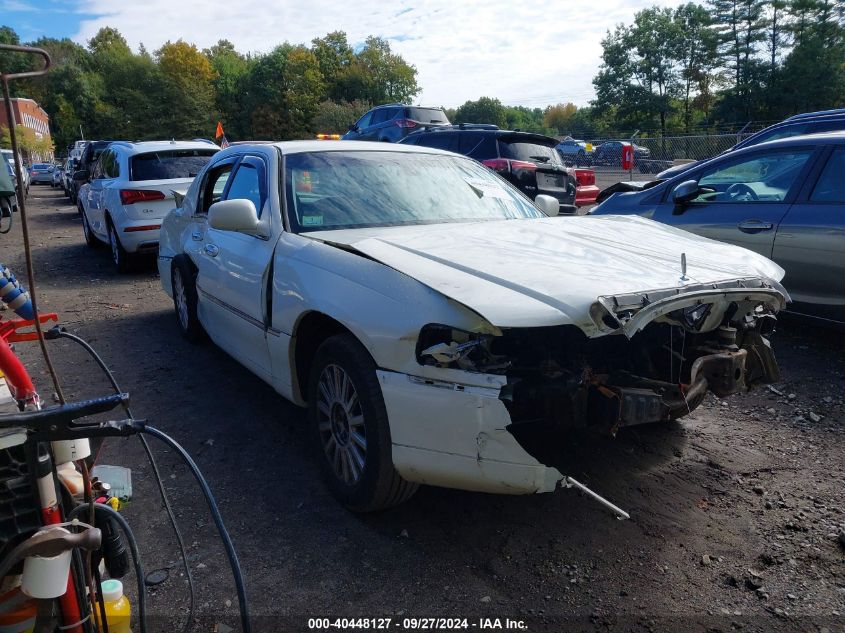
440 327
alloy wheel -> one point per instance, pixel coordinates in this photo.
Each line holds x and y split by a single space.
340 421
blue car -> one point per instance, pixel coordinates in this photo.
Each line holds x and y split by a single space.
784 199
573 152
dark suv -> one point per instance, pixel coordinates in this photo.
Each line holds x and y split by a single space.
393 122
528 161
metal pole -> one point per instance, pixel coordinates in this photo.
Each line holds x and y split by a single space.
30 273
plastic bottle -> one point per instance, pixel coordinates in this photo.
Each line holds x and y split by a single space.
118 609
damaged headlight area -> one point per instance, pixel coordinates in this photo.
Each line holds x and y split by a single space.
448 347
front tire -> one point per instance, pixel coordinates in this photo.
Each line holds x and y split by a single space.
184 285
350 428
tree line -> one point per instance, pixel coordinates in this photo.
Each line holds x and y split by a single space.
695 68
725 62
106 90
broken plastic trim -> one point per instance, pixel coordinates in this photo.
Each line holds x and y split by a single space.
632 312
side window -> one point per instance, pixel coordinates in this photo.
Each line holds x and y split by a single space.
214 186
440 140
111 167
247 184
364 121
831 184
479 146
381 115
97 169
760 178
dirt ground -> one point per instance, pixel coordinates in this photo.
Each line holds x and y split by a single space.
736 511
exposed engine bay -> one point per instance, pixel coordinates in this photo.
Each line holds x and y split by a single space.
558 377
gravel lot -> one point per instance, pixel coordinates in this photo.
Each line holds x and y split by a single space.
736 511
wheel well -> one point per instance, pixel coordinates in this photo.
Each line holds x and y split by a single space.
313 329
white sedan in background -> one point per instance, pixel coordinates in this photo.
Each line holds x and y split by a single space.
132 188
442 329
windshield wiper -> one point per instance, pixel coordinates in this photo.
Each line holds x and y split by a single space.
542 159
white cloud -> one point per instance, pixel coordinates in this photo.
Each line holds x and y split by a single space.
534 53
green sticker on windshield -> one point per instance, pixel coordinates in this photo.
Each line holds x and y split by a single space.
312 220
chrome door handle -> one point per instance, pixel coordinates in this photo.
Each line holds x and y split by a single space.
196 235
212 250
754 226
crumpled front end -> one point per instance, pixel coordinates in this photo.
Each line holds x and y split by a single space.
658 356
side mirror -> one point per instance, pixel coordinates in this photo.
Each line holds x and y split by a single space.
353 127
238 215
547 204
685 193
82 174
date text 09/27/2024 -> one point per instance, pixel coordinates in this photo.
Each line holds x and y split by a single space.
421 624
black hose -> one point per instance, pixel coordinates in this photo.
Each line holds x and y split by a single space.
203 484
133 548
218 521
58 332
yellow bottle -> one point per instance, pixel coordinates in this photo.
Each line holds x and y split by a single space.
118 609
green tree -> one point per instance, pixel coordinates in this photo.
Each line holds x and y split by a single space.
484 110
335 117
188 78
696 56
557 117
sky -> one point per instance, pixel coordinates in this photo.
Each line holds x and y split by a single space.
524 53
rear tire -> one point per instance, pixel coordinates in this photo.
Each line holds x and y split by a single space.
122 260
183 282
91 240
350 428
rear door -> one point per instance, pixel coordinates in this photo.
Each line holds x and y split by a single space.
746 199
810 242
106 169
234 270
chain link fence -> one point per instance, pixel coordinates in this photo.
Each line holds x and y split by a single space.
652 154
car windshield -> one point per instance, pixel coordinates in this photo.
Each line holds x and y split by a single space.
170 164
528 151
344 190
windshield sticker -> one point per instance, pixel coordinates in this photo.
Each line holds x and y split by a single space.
487 189
312 220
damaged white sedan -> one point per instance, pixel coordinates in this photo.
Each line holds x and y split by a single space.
440 328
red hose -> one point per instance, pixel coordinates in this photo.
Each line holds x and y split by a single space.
20 384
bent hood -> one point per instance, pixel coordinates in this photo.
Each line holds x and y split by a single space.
550 271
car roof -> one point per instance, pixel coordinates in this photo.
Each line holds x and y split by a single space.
491 130
813 115
835 138
299 147
139 147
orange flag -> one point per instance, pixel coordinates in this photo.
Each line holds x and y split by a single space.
219 132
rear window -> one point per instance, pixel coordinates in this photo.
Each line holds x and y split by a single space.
41 166
428 115
528 151
166 165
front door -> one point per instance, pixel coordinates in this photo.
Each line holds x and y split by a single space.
234 269
743 199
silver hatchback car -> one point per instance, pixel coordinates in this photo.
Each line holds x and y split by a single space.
784 199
